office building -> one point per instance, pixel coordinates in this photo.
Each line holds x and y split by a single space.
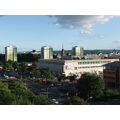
10 53
77 67
46 52
78 51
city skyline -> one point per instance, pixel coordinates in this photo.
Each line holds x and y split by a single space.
28 32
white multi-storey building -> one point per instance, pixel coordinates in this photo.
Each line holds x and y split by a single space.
46 52
77 67
78 51
11 53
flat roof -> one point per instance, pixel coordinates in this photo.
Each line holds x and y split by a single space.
58 60
114 64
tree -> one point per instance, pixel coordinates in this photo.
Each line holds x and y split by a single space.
90 85
59 76
6 97
42 100
74 101
47 74
15 93
1 64
23 66
16 66
72 77
8 65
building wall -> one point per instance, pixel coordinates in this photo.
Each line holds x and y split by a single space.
52 66
111 76
77 67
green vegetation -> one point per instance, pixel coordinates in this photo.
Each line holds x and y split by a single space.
74 101
28 57
108 94
47 74
23 57
15 93
90 85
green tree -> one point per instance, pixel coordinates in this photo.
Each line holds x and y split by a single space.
16 66
42 100
37 73
8 65
90 85
74 101
47 74
72 77
23 66
1 64
6 97
59 76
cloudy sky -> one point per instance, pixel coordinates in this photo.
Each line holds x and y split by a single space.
32 32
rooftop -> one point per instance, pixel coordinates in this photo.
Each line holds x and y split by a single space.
115 64
59 60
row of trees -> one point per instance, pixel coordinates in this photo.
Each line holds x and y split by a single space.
14 65
15 93
23 68
26 57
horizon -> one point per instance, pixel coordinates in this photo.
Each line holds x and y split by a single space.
64 50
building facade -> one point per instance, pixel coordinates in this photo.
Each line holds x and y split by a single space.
77 67
78 51
111 74
10 53
46 52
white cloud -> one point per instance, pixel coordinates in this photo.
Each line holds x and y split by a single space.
117 41
101 36
85 31
82 22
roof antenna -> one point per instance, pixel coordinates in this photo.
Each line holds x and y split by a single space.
62 46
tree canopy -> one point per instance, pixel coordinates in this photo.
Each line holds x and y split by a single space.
15 93
90 85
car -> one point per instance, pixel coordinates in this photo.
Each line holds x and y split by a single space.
55 101
43 89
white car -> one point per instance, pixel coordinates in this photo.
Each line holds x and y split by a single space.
55 101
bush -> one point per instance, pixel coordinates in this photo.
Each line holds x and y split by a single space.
42 100
111 93
75 101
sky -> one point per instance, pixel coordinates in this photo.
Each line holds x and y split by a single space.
28 32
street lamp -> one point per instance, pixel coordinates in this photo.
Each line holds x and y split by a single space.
48 88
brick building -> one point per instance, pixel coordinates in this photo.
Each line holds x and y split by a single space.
111 74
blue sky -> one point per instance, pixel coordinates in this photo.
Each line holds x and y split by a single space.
30 32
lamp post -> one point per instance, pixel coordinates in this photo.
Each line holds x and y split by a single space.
48 88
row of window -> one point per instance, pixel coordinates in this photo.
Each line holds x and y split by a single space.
93 62
75 68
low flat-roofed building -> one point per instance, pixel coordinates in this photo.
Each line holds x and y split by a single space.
78 67
111 74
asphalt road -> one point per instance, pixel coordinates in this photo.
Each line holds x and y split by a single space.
53 92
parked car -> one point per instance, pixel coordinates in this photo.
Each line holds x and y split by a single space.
55 101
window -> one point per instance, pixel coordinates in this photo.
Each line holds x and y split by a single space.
75 68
